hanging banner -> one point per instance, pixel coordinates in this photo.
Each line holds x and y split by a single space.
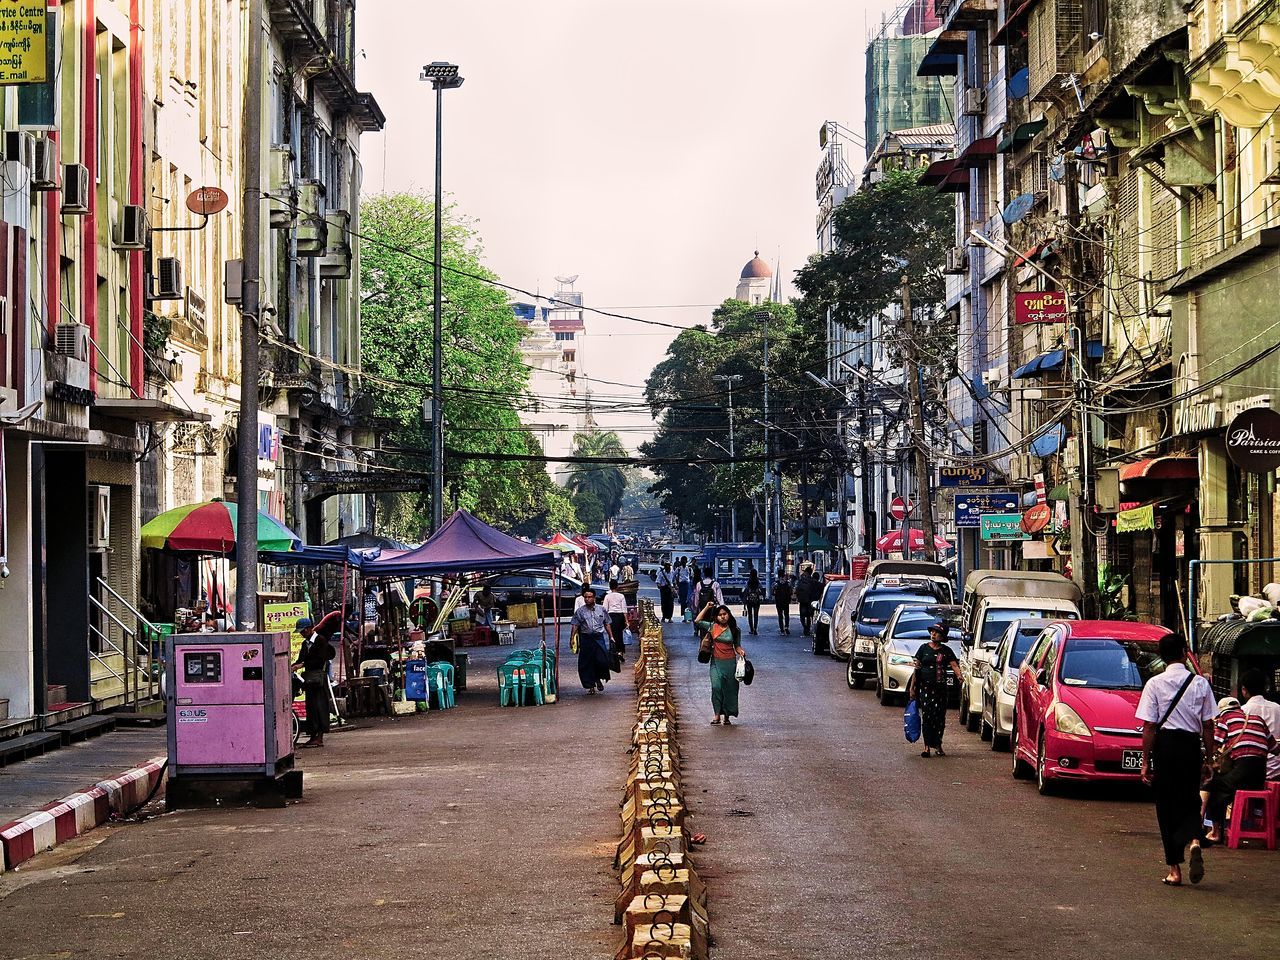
24 42
1139 518
1046 306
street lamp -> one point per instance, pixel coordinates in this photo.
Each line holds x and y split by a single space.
442 76
730 379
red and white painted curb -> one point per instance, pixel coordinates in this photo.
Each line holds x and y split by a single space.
64 819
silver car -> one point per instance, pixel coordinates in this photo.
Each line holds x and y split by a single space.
1000 685
899 641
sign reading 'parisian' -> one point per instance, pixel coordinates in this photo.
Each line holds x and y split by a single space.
1253 440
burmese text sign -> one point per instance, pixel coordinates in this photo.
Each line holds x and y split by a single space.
1003 526
1045 306
971 506
24 40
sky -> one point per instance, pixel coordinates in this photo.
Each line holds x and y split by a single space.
649 148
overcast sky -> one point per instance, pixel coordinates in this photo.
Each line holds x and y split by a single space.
648 148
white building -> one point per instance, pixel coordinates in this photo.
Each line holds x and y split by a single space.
755 285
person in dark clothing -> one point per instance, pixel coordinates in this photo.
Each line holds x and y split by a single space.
752 597
807 590
667 591
928 686
313 660
782 590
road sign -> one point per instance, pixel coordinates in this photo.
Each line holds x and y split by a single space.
899 508
971 506
976 475
1002 526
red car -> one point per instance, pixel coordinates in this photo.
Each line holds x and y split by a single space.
1075 713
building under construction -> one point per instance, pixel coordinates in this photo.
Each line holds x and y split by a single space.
896 97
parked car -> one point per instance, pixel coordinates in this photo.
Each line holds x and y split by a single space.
1000 686
1074 718
840 636
992 600
917 572
875 606
824 607
534 586
902 637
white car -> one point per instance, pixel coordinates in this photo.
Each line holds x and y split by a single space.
902 637
1000 688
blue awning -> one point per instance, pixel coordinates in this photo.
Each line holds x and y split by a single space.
1051 442
939 65
1051 360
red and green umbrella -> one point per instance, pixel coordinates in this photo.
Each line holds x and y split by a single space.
210 527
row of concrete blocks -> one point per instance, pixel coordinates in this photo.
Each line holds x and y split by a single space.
65 819
663 903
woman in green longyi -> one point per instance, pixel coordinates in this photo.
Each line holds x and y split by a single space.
726 648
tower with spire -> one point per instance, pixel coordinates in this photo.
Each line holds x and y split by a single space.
755 284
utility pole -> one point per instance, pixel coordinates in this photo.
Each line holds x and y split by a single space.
918 439
763 315
1084 552
250 297
731 379
868 513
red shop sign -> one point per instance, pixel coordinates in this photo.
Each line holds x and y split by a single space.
1047 306
1036 518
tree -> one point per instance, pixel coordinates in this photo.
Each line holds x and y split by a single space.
589 509
605 482
484 377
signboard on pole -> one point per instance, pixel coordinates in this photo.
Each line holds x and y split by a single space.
1046 306
975 475
971 506
1002 526
899 508
1253 440
24 42
282 618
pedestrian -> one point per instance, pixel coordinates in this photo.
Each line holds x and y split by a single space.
1269 711
614 569
666 590
1244 741
589 632
928 686
581 598
707 590
615 605
683 585
726 648
313 660
695 574
1177 712
807 590
627 573
752 597
782 590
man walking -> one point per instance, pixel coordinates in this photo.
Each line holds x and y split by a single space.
666 590
590 631
807 591
615 605
1177 712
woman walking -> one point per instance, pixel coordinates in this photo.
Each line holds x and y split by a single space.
782 600
726 648
929 686
752 597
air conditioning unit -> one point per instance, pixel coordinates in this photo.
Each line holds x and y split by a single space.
280 183
71 339
196 307
957 261
45 166
1020 468
75 190
168 279
99 516
1145 438
19 147
974 103
131 231
232 281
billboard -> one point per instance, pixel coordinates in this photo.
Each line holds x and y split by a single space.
24 42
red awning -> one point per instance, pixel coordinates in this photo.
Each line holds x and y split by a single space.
936 172
1162 468
1028 255
1001 36
977 152
957 181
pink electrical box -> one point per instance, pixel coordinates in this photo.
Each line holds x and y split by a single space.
228 705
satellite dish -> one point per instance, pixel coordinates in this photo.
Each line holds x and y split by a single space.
1057 168
1018 208
1019 84
567 281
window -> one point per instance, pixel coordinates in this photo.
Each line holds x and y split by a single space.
101 134
570 356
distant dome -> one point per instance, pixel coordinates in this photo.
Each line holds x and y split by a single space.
756 268
920 19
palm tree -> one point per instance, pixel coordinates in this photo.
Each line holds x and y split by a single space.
606 482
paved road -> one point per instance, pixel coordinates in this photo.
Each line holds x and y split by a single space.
828 833
472 833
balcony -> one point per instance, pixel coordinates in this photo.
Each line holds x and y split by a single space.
965 14
1053 48
1235 61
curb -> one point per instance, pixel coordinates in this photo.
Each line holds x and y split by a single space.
76 814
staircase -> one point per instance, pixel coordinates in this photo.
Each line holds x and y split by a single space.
123 675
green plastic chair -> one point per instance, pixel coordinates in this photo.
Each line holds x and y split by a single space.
440 682
530 675
508 685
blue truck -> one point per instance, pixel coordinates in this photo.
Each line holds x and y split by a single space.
731 563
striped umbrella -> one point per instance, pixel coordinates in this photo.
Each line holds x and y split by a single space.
210 527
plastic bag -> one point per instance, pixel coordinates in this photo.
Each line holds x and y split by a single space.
573 643
911 722
740 671
628 638
687 616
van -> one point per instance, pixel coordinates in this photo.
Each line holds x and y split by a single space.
993 599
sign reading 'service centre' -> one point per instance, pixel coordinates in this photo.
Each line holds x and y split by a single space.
24 42
1253 440
1046 306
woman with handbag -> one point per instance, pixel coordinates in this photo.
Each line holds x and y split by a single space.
721 646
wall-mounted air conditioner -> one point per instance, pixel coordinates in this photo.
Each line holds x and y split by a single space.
75 189
974 102
71 340
45 166
99 516
168 279
131 231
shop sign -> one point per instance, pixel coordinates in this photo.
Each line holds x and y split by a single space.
1202 413
1045 306
206 201
1002 526
282 618
833 518
975 475
1036 518
1253 440
24 40
1136 519
268 442
970 507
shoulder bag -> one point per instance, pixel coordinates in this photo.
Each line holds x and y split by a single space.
704 648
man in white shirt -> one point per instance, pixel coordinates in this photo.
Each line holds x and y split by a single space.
615 605
1177 710
1259 706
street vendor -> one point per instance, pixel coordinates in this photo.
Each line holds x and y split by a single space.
482 607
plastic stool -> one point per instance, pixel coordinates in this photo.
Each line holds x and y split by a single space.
1274 787
1245 822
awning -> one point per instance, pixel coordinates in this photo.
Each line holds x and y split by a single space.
957 181
1050 360
954 42
936 172
977 153
147 410
1024 133
814 541
939 65
1162 468
1060 492
1001 36
1051 442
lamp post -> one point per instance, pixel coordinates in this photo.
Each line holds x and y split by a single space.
442 76
731 379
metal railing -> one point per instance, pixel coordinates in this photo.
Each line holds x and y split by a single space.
140 678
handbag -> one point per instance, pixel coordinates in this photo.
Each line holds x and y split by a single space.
911 722
740 671
750 673
704 649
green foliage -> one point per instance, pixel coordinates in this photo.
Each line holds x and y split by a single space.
897 226
155 333
1111 584
483 374
605 482
590 511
